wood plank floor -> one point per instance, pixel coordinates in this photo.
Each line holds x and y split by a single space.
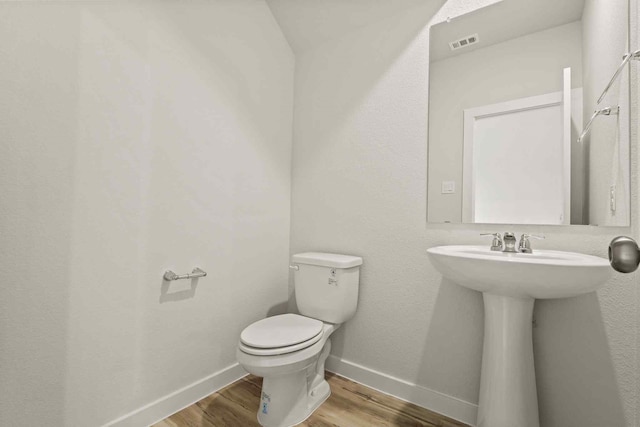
350 405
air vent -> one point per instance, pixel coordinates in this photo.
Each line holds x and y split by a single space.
464 42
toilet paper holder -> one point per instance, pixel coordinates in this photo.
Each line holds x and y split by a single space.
196 272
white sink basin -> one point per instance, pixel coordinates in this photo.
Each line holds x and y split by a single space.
510 283
542 274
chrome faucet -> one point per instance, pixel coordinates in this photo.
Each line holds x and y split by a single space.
496 244
509 242
525 246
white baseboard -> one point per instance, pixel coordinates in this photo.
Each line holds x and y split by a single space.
179 399
438 402
434 401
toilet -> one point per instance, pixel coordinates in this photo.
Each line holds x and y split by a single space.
289 350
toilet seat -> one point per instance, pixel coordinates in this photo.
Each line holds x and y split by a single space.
279 350
281 334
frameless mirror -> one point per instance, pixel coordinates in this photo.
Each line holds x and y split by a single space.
512 86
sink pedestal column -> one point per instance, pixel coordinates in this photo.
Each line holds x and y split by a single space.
508 382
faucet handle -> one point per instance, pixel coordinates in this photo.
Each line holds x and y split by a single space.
496 244
533 236
525 246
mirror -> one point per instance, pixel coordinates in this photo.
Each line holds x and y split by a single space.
512 86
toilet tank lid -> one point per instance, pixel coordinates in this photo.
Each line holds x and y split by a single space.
327 260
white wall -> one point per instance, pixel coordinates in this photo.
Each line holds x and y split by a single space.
525 66
359 187
137 137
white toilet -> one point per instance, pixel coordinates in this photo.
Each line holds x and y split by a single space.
289 350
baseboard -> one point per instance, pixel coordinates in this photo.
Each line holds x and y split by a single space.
434 401
179 399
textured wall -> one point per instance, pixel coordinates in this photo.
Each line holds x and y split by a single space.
605 41
359 187
137 137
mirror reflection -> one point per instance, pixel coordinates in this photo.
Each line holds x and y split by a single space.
512 86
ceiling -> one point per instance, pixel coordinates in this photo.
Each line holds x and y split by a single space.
501 21
308 23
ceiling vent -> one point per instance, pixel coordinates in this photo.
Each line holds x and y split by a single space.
464 42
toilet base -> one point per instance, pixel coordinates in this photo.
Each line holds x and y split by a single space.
287 400
277 410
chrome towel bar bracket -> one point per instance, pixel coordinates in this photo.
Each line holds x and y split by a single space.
630 56
601 112
196 272
625 59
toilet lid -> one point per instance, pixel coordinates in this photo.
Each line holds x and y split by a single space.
280 331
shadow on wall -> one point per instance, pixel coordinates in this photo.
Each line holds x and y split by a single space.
452 354
574 372
168 292
579 195
220 62
280 308
365 57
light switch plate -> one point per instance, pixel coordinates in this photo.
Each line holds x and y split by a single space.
448 187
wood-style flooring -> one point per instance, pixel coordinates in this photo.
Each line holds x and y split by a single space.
350 405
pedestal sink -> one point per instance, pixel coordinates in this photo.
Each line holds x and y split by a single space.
510 284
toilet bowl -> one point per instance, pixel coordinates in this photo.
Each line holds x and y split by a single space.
293 385
289 350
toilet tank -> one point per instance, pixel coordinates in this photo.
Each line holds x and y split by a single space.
327 285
